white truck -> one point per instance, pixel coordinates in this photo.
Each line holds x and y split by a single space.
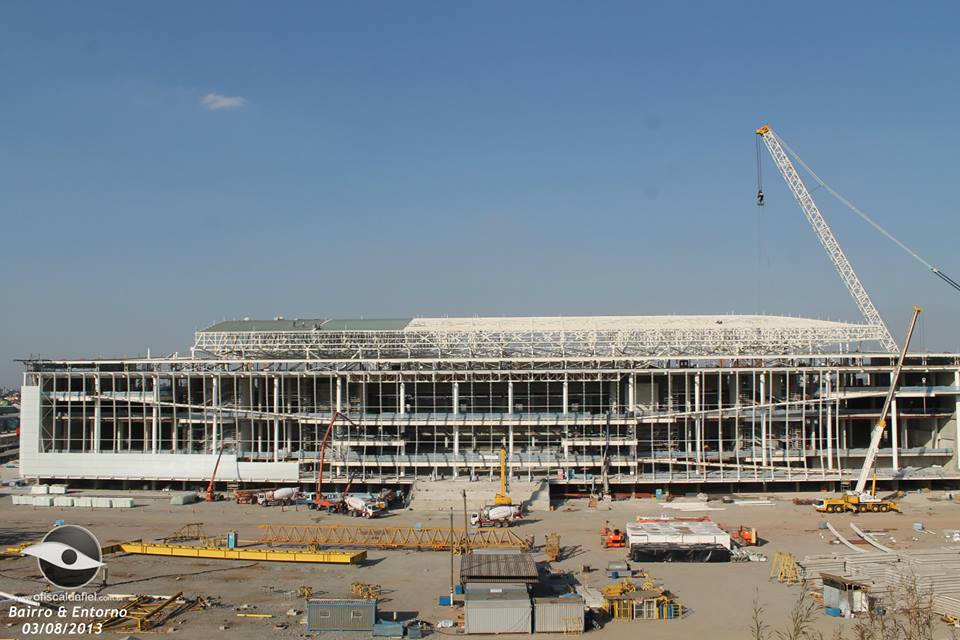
496 516
358 507
283 496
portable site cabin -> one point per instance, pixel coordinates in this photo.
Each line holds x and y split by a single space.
500 611
341 614
844 597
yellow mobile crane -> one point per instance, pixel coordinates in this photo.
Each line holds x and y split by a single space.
503 498
859 500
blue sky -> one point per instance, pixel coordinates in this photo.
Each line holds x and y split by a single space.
375 159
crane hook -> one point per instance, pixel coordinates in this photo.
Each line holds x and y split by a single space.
759 174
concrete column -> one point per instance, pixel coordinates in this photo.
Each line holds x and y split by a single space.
895 435
276 419
956 422
720 422
686 429
402 399
456 429
510 439
96 416
216 414
829 425
763 418
339 403
698 421
631 393
288 435
510 397
566 397
155 418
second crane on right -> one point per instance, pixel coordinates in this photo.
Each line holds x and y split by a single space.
859 500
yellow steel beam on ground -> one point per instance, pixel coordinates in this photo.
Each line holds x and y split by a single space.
113 548
14 551
390 537
222 553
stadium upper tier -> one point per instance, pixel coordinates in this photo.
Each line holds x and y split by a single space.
531 337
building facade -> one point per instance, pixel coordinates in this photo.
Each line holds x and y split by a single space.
619 402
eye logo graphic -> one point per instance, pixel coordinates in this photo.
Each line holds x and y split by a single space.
69 556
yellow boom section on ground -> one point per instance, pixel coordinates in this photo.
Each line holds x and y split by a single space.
223 553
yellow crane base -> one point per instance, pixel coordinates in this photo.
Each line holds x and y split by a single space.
223 553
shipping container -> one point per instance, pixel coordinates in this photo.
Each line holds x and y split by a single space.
558 615
341 614
388 630
506 612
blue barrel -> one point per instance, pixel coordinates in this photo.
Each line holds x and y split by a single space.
833 611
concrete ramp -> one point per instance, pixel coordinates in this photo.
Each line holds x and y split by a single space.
441 495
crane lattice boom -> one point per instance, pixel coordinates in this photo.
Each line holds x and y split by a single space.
826 237
882 422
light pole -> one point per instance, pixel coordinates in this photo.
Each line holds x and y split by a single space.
466 529
452 539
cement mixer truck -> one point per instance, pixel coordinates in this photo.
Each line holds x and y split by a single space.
496 516
283 496
359 507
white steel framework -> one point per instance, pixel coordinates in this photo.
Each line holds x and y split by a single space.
479 338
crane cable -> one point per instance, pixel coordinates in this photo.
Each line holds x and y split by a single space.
759 226
759 175
950 281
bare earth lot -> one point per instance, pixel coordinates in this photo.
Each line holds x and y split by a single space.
720 596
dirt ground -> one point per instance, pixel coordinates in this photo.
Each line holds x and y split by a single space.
719 596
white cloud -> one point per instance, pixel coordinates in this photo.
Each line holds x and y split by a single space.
215 101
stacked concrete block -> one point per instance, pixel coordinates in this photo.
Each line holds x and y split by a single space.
73 501
182 498
40 489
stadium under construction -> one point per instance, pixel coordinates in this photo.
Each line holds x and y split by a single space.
635 402
632 402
